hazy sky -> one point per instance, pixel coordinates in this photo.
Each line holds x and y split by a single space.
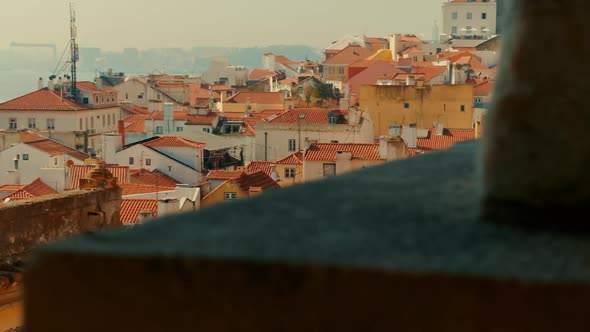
115 24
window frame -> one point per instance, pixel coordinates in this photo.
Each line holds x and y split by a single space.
131 161
290 172
230 195
292 144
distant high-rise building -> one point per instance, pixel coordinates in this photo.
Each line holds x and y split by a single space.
469 19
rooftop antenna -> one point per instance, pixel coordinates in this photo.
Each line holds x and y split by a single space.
73 51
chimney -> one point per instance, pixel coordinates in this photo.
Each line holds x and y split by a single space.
410 135
144 216
168 118
50 84
440 129
121 130
383 146
40 83
273 173
98 83
395 130
410 80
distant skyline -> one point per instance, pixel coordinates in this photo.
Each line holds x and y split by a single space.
114 25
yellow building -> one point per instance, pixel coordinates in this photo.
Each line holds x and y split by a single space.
449 105
289 170
245 186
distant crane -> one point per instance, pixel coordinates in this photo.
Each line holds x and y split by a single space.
48 45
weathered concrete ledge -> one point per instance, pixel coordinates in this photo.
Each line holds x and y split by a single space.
32 222
395 247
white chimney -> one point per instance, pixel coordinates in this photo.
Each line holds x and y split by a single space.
40 83
383 140
168 118
410 135
51 84
98 83
440 129
273 173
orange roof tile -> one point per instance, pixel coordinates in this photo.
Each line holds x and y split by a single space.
77 172
409 38
174 141
309 116
91 87
42 100
135 123
54 148
258 74
483 89
36 188
292 159
376 40
201 119
258 179
435 142
130 209
30 137
136 109
155 178
412 50
222 87
140 189
243 97
284 60
12 187
329 151
349 55
224 175
290 81
259 166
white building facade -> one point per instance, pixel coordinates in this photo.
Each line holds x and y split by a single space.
469 18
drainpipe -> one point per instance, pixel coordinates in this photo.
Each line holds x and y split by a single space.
265 146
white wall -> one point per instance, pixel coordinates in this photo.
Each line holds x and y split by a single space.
140 153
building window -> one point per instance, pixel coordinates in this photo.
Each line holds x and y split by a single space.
206 130
140 96
329 169
159 129
292 145
96 100
31 123
104 120
469 16
91 122
330 70
126 96
477 100
81 124
406 105
454 30
158 96
289 173
334 141
50 124
229 196
86 123
341 70
12 124
179 129
25 156
332 120
454 15
462 108
55 161
484 16
416 58
85 100
131 161
148 162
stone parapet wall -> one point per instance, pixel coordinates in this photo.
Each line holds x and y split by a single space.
26 224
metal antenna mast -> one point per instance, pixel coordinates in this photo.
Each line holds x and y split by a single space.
73 51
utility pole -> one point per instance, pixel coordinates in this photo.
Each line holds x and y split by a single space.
73 51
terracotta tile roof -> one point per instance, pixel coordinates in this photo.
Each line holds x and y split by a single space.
290 81
292 159
258 74
130 209
349 55
405 62
36 188
412 50
11 187
155 177
408 38
259 166
30 137
42 100
91 87
77 172
426 73
243 97
309 116
435 142
136 109
176 115
224 175
208 119
139 189
329 151
135 123
475 64
222 87
376 40
54 148
258 179
483 89
174 141
284 60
